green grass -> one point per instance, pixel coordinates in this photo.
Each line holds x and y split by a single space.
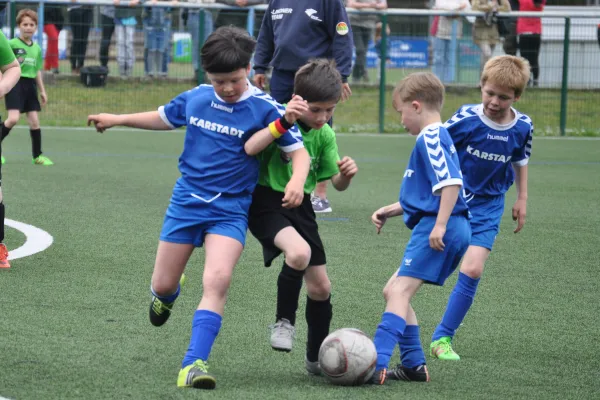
71 102
74 317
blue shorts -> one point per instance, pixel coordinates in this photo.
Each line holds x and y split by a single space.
422 262
486 215
191 215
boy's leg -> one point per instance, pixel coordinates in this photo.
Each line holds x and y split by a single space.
121 49
11 121
36 134
3 251
129 49
222 254
171 259
460 302
320 203
289 283
318 313
412 358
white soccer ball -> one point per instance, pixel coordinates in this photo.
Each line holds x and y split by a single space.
347 357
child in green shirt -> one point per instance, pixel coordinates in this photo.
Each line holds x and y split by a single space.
294 231
23 98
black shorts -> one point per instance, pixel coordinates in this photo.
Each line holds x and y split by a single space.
268 217
23 97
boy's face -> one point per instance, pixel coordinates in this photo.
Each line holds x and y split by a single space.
409 116
27 27
497 101
230 86
318 113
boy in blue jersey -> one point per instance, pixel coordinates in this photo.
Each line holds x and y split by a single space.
493 142
436 212
211 199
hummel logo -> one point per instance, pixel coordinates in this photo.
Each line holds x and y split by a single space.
311 13
407 262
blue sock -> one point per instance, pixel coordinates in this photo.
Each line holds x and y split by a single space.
205 328
167 299
411 351
458 305
387 335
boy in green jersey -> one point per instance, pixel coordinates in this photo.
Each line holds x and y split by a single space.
23 98
294 232
11 72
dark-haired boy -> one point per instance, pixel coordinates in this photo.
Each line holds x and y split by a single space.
294 232
211 199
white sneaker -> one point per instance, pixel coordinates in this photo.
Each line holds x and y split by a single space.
320 205
282 335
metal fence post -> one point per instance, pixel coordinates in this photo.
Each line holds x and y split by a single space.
201 38
41 24
565 78
382 66
13 18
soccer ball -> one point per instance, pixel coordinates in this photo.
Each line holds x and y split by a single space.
347 357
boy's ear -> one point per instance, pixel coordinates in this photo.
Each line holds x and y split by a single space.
248 69
416 106
517 98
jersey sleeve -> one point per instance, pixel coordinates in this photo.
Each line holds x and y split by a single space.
521 156
329 157
441 169
458 126
173 113
342 43
264 44
6 53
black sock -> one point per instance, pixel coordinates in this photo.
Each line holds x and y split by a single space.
5 131
318 319
289 284
36 142
1 222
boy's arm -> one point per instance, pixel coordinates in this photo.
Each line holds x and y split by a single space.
447 202
519 210
263 138
150 120
348 169
294 190
40 83
11 73
341 40
380 216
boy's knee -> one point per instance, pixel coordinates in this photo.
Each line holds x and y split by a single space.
216 285
298 257
473 269
164 288
319 290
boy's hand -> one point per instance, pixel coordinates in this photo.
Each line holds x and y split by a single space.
347 167
346 91
133 3
260 80
519 211
379 218
436 237
294 194
44 98
296 107
103 121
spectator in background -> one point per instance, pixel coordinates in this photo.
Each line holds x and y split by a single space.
80 20
192 20
125 23
507 28
444 56
485 29
530 36
236 17
157 31
107 21
363 30
53 24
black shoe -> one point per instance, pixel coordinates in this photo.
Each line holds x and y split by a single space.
378 377
416 374
159 311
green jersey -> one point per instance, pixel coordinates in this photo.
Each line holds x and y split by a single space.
6 53
276 166
29 56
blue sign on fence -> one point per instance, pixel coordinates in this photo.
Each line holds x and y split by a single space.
402 52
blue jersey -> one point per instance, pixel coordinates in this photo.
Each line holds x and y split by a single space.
213 158
433 164
487 149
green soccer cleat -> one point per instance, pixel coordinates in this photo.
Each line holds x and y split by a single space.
42 160
3 160
442 349
196 376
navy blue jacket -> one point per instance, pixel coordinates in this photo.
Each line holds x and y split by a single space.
294 31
